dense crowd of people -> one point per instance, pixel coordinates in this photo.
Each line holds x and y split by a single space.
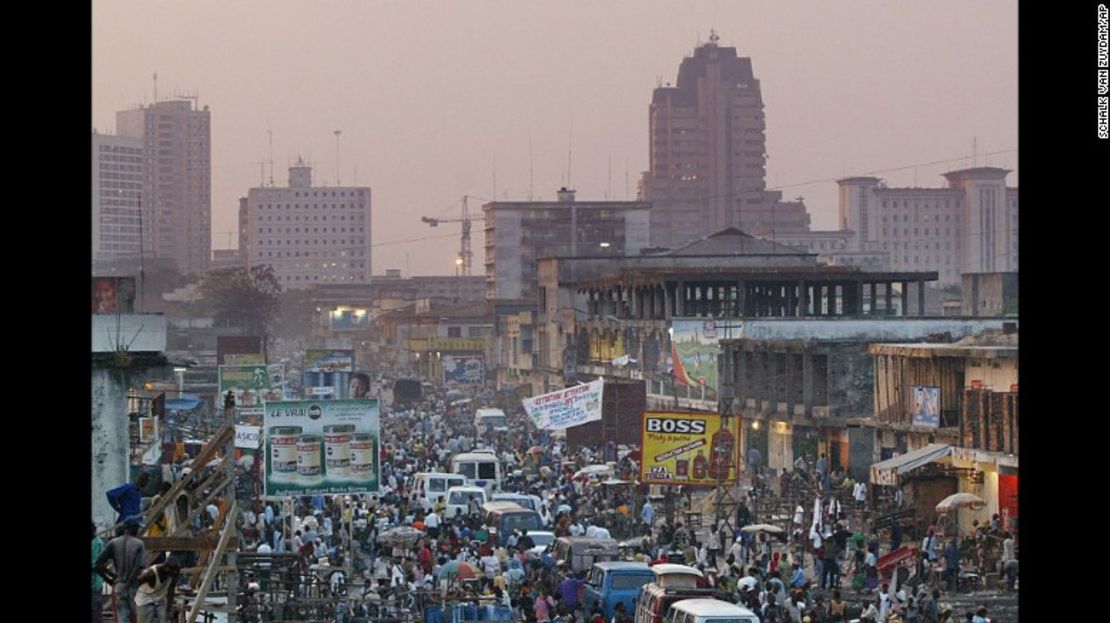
449 567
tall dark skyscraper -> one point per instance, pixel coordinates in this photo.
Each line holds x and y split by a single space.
708 154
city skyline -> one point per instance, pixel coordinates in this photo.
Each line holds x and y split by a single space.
430 96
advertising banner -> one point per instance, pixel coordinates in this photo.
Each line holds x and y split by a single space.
459 371
252 386
566 407
327 373
113 295
326 447
329 360
926 406
248 437
681 448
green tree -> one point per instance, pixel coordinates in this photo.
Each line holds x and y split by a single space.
247 298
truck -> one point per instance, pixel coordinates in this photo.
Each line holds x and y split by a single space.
406 392
486 420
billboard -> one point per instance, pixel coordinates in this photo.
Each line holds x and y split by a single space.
348 320
463 370
252 385
247 437
329 360
566 407
687 448
240 350
113 295
327 373
926 406
327 447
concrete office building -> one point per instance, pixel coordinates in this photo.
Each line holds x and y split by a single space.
520 232
970 226
117 184
708 154
177 195
310 235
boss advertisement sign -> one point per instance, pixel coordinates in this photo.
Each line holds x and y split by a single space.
326 447
687 449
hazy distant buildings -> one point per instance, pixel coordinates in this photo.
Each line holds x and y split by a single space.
310 235
708 154
971 226
117 183
520 232
177 195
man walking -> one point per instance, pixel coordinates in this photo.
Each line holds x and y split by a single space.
127 556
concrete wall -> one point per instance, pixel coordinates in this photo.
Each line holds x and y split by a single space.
110 435
851 381
873 330
134 332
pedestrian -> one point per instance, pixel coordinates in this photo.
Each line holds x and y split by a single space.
952 565
154 596
838 608
127 556
713 547
127 498
97 581
980 616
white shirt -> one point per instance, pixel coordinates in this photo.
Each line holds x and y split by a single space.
799 513
431 520
815 536
264 548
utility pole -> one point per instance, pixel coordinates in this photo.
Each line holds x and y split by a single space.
337 133
229 471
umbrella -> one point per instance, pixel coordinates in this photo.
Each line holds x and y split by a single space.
401 535
461 570
960 500
763 527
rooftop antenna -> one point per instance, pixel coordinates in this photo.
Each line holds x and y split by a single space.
155 87
974 151
337 133
570 150
270 134
494 195
530 196
609 188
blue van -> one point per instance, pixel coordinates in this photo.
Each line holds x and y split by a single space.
610 583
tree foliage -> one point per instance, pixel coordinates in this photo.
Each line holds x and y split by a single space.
247 298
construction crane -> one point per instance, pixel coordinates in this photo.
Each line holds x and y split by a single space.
464 246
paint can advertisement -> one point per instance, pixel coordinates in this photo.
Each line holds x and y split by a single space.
328 447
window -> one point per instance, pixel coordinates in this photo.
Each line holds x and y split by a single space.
487 471
454 331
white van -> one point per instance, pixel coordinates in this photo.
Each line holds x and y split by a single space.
458 499
708 611
531 502
486 420
481 468
434 485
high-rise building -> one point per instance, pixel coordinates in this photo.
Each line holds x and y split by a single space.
117 186
708 154
520 232
177 194
310 235
970 226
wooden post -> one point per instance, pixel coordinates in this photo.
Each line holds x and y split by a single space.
210 573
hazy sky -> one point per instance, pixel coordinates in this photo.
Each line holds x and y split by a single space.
433 97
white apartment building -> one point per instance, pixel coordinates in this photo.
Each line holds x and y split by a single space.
117 183
971 226
310 235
